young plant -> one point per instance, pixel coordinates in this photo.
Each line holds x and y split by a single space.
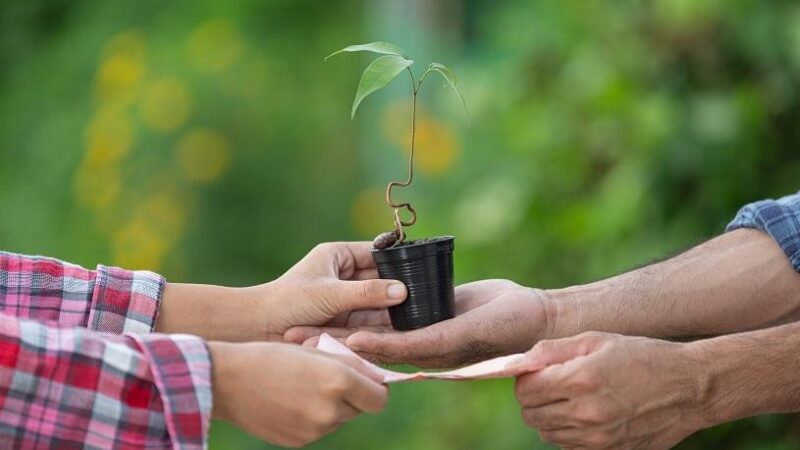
378 74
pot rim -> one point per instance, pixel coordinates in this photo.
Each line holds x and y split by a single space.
418 248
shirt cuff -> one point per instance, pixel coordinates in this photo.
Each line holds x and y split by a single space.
181 368
125 301
778 218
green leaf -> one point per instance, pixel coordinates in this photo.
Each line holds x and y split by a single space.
377 75
448 75
383 48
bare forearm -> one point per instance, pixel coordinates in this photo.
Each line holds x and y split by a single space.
214 312
735 282
749 374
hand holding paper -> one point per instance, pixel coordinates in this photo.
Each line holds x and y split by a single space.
501 367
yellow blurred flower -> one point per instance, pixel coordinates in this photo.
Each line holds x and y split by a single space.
203 155
397 121
166 214
108 136
165 104
121 68
96 185
215 45
369 213
138 246
436 148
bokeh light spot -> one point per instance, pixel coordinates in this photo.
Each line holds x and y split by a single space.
108 136
369 213
436 147
215 45
138 246
203 155
165 104
122 66
166 214
489 210
96 185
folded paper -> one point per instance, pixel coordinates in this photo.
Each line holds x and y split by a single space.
501 367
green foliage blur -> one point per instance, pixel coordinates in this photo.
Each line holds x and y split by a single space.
207 140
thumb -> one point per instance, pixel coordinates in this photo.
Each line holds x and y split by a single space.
558 351
366 294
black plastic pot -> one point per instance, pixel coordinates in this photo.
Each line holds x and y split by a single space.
425 266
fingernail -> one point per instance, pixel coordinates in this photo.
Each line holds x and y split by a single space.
397 291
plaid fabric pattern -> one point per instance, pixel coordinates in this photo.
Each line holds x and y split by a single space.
78 368
778 218
108 299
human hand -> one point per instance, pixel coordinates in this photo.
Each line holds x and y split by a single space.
607 391
287 394
335 284
493 318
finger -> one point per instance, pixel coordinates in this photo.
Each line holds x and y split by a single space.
542 388
298 335
366 294
415 347
352 257
365 394
553 416
365 274
360 366
302 333
370 317
448 343
346 412
569 437
549 352
470 295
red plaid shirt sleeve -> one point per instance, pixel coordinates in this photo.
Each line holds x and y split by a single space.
107 299
66 386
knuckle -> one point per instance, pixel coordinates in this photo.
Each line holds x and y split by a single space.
529 418
337 383
599 439
591 414
593 335
585 380
542 346
367 290
292 443
522 388
547 437
324 417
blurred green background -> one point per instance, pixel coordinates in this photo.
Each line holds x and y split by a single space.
207 140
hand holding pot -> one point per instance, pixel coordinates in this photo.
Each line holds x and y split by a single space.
493 318
601 391
287 394
334 285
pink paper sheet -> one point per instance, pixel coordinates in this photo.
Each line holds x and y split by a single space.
492 368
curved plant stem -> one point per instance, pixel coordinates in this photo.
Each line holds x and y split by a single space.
398 222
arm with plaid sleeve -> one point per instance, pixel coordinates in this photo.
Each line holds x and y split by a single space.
73 387
108 299
743 280
78 366
778 218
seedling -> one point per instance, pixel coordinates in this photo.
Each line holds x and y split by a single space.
424 265
378 74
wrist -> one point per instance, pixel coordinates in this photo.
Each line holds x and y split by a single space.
563 310
719 396
261 309
703 384
222 373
